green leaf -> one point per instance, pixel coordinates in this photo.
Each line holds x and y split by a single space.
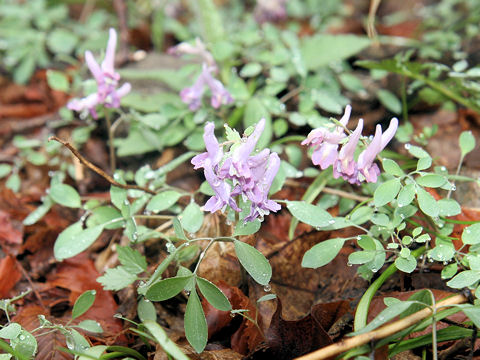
442 252
267 297
390 101
116 278
196 330
392 168
361 215
464 279
406 264
321 50
118 196
24 344
192 218
386 192
471 234
449 271
164 341
104 214
5 169
427 203
309 214
247 228
83 303
91 325
163 201
251 70
321 254
213 295
61 41
11 331
254 262
167 288
431 180
73 240
448 207
146 310
361 257
467 142
132 260
416 151
406 195
39 212
424 163
65 195
473 313
177 227
57 80
384 316
254 112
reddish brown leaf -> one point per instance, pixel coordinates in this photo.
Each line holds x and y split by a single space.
78 275
8 232
48 342
9 275
289 339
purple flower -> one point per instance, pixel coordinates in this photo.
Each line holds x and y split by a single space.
250 176
199 49
193 95
214 152
270 11
365 161
107 81
261 204
345 165
325 142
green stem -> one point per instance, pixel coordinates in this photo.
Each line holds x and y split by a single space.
113 161
363 306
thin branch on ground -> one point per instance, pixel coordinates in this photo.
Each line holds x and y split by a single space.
99 171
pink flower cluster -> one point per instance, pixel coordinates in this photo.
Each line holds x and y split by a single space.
107 81
192 96
270 11
325 145
237 172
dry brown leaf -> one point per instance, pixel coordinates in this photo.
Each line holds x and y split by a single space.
9 275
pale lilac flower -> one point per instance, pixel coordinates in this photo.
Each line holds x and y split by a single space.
199 49
345 165
366 166
214 152
325 142
107 81
223 191
250 176
193 95
270 11
220 95
261 204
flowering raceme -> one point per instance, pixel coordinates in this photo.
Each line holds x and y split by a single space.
107 81
192 95
238 172
325 145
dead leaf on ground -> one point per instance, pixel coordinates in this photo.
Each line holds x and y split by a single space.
78 274
9 275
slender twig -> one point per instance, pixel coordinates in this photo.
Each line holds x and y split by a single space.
28 278
99 171
381 332
291 94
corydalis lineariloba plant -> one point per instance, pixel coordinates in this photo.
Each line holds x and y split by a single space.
192 95
237 172
107 80
325 145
